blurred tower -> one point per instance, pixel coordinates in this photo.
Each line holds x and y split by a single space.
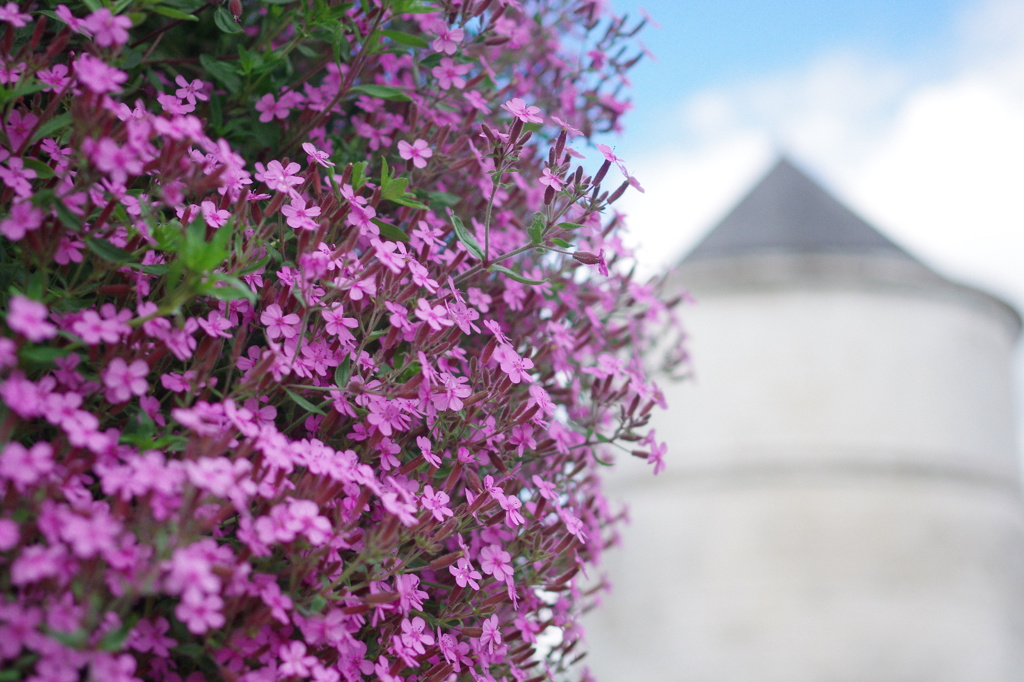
843 500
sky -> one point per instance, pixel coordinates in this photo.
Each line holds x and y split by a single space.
910 111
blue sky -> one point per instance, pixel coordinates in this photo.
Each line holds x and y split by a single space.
701 43
909 111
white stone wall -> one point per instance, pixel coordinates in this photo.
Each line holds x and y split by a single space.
843 498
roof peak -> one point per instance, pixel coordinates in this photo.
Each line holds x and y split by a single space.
788 212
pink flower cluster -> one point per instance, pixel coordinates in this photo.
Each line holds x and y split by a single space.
299 377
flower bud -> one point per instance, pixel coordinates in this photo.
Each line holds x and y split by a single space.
586 257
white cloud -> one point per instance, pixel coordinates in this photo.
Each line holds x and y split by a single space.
936 159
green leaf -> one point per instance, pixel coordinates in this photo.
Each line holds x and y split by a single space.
389 231
70 220
174 13
467 238
569 226
515 275
391 189
303 403
51 126
42 356
561 242
444 199
536 229
382 92
200 255
234 289
43 172
405 38
385 172
358 174
342 373
223 72
225 22
414 7
114 640
253 267
107 251
410 201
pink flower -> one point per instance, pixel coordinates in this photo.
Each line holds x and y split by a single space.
448 39
464 573
269 109
107 30
657 454
317 156
190 91
436 503
109 328
491 636
496 562
9 535
277 176
527 114
26 466
97 75
436 316
391 254
418 152
551 180
569 128
55 78
278 324
17 176
199 611
23 219
123 380
339 325
415 634
116 160
12 16
515 366
448 73
300 216
28 318
294 661
19 126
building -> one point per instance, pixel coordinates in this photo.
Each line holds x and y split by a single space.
843 499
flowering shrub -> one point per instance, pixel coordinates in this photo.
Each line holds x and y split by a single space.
315 340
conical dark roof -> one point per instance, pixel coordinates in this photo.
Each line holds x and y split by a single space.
788 212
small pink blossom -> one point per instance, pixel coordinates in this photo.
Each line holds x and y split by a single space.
448 39
97 75
465 574
317 156
270 108
278 177
551 180
300 216
108 30
527 114
491 636
123 380
11 14
436 502
278 324
29 318
435 316
294 661
418 152
449 74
